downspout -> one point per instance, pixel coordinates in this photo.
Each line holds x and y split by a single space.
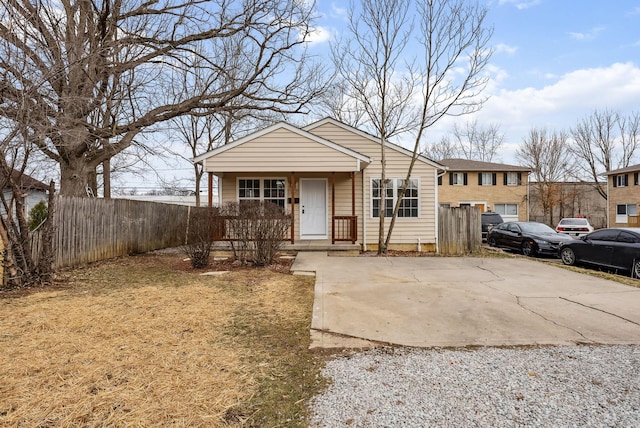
364 217
437 206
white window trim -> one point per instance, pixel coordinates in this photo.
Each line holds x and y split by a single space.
620 181
457 175
624 218
488 182
515 181
395 197
505 204
262 198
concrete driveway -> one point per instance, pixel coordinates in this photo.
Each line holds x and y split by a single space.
451 301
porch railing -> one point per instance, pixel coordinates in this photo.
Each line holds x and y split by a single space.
344 228
633 221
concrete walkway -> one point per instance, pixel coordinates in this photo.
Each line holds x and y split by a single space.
452 301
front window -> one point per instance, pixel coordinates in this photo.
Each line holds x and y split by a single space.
506 209
512 179
408 206
486 179
621 180
457 178
623 211
266 190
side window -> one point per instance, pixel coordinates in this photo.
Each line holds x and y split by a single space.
604 235
514 228
627 237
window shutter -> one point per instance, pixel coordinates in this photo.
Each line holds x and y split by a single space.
465 178
626 179
495 178
505 178
440 180
615 180
479 179
519 179
451 178
635 178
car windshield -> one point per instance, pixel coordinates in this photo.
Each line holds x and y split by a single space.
536 228
574 222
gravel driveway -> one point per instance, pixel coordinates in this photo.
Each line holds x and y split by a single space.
565 386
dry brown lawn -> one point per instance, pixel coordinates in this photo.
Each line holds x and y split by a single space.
146 341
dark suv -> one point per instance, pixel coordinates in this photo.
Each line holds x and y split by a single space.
489 220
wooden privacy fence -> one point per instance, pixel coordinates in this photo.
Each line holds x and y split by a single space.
89 229
459 230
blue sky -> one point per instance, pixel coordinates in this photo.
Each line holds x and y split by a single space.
555 61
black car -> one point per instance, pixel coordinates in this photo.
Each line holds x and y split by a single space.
527 236
614 249
489 221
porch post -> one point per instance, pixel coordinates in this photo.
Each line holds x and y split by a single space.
353 207
333 208
292 185
210 186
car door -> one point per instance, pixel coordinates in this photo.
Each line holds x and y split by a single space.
626 249
599 247
514 237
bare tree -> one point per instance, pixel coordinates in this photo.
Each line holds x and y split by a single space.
602 142
478 142
368 65
21 265
92 75
454 50
445 149
550 162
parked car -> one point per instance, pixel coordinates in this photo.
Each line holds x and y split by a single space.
576 227
529 237
615 249
489 221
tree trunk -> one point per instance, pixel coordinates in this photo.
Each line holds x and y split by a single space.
75 177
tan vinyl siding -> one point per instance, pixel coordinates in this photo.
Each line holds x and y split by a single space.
406 230
278 151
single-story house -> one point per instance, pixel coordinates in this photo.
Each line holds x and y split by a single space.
489 186
33 191
327 176
623 197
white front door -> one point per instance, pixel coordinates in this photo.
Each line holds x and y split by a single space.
313 208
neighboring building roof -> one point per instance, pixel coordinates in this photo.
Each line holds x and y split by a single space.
26 181
471 165
283 125
632 168
374 139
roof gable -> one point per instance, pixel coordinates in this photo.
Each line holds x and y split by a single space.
26 182
278 126
371 138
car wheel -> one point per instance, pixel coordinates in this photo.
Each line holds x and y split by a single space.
492 241
528 249
568 256
635 271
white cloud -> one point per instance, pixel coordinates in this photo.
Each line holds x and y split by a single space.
557 106
504 48
338 12
319 35
520 4
587 36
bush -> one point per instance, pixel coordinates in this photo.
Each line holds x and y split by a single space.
37 215
200 236
256 230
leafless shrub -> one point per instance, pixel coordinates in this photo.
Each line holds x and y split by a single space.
256 230
201 232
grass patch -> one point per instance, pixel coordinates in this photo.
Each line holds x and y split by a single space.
143 341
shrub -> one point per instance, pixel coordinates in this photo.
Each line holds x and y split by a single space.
256 230
38 215
200 235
